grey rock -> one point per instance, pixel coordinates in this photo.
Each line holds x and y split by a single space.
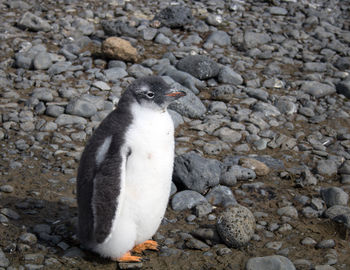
236 226
24 61
65 119
3 219
337 210
317 89
190 105
33 22
257 93
342 63
199 66
74 252
345 167
4 262
274 245
114 74
10 213
212 148
308 241
54 110
43 94
315 67
52 262
224 92
274 262
174 16
28 238
81 107
278 11
195 172
39 228
162 39
59 68
219 38
85 27
221 196
343 88
307 178
266 108
186 199
289 211
228 178
308 112
182 77
229 76
29 266
139 71
18 5
326 167
240 173
101 85
128 265
6 188
253 39
148 33
42 61
196 244
36 258
334 196
119 28
207 234
328 243
203 209
228 135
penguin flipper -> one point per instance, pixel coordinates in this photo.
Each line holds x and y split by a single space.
107 186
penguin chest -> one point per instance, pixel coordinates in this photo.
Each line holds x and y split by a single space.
149 169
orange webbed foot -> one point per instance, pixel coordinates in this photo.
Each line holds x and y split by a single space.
127 257
149 244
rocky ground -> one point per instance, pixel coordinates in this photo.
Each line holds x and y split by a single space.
265 124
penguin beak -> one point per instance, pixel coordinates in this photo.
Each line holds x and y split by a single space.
173 95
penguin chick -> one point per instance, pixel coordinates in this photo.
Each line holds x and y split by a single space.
125 172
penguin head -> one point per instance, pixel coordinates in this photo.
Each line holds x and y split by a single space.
154 92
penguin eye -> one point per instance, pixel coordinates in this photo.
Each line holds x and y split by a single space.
150 94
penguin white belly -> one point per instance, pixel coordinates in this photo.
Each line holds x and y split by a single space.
146 181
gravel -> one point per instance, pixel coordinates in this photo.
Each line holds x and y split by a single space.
265 124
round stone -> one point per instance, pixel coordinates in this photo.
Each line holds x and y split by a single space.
236 226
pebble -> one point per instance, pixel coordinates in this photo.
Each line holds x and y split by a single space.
4 262
174 16
329 243
274 262
288 211
7 188
199 66
28 238
236 226
33 22
326 167
257 166
186 199
228 76
119 49
221 196
334 196
203 173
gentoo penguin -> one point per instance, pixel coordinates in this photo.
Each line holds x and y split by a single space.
125 172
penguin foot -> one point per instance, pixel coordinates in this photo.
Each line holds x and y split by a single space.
149 244
127 257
